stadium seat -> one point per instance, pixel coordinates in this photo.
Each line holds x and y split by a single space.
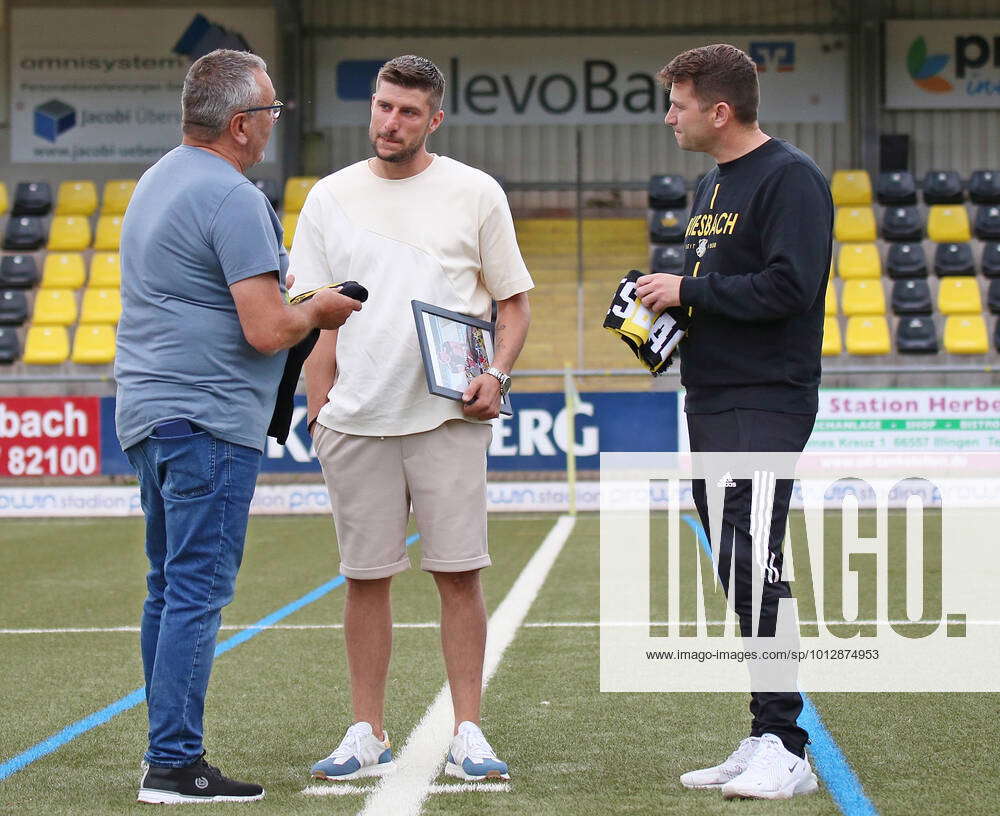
25 232
100 306
859 261
46 345
996 335
63 270
984 187
987 224
18 272
667 192
912 296
943 187
991 259
4 198
667 259
965 334
105 269
953 259
832 345
959 296
993 296
288 223
271 189
117 194
867 335
54 307
109 233
32 198
667 226
906 261
94 344
862 297
830 304
296 190
13 307
916 335
851 188
76 198
10 348
948 223
902 224
69 233
896 188
854 224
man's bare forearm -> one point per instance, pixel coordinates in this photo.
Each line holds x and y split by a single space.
321 371
513 319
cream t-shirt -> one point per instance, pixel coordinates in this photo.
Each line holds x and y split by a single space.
444 236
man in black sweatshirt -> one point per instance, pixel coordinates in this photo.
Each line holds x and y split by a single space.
757 260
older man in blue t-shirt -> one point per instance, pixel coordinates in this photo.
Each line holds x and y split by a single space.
201 348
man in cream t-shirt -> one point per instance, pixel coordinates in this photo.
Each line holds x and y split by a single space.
409 225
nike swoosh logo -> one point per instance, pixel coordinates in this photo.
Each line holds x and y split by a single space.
792 769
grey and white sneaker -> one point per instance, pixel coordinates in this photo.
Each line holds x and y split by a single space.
719 775
359 754
472 758
772 773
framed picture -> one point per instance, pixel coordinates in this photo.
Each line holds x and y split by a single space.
455 348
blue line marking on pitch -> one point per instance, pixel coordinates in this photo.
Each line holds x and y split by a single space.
833 767
134 698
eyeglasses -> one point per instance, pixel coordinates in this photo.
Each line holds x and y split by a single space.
275 109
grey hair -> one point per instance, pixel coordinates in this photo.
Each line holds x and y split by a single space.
218 85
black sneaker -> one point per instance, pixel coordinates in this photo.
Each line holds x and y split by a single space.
199 782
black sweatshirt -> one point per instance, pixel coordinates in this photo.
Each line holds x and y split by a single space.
757 257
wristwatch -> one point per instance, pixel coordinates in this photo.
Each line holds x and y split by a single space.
504 379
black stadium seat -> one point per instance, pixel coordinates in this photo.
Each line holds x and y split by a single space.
987 224
896 188
32 198
996 335
667 259
984 187
991 259
24 232
953 259
18 272
911 296
667 192
270 188
916 335
10 349
902 224
993 296
906 261
943 187
667 226
13 307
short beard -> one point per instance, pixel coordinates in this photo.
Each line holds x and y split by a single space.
399 157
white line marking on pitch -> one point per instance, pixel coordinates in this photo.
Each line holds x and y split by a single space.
419 762
342 789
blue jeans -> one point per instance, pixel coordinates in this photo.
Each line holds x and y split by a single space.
195 492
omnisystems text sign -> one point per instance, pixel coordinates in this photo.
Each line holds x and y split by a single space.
566 80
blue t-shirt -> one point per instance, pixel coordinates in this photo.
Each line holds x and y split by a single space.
194 227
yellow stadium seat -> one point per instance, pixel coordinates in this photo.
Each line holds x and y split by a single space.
855 224
862 297
867 335
859 261
831 299
76 198
959 295
4 198
94 344
966 334
948 223
288 223
69 233
296 190
851 188
46 345
63 270
105 270
100 306
109 233
117 194
54 307
832 345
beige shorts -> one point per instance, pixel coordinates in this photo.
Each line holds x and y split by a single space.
374 479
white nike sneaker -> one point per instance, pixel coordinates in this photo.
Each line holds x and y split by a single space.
719 775
772 773
359 754
472 758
